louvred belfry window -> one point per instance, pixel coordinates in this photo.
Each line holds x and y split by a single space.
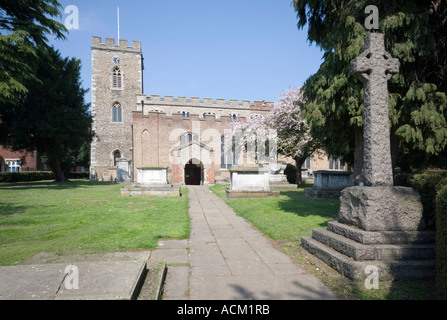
117 80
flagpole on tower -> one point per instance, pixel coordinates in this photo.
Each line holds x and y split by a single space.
118 10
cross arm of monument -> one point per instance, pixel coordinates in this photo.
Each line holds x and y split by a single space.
374 60
361 67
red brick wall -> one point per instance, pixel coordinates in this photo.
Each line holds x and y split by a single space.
28 160
162 131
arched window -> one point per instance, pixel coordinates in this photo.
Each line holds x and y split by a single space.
185 114
258 116
187 138
228 152
117 80
117 113
208 113
233 117
116 156
336 164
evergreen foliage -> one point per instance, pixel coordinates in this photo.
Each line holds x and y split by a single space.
416 34
24 26
25 176
427 185
52 117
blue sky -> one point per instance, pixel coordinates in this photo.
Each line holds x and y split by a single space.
232 49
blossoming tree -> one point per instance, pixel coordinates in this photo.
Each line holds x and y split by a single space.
292 138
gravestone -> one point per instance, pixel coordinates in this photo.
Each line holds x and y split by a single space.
123 170
378 225
152 181
250 182
152 175
277 178
329 183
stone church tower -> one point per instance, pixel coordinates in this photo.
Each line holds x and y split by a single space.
117 78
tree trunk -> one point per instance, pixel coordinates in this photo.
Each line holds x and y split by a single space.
358 156
299 178
59 175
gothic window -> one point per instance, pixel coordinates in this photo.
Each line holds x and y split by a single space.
233 117
256 116
207 113
117 79
185 114
335 164
187 138
228 153
117 113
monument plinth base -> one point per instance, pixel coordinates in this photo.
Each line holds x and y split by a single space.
381 208
377 226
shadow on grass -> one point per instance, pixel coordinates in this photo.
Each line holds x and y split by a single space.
7 209
50 185
297 203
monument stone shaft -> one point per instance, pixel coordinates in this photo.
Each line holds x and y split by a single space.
374 67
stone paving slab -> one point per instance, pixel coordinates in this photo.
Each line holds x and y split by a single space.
258 287
176 284
99 280
31 282
173 255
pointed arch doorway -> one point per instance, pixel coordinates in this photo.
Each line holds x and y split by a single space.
193 173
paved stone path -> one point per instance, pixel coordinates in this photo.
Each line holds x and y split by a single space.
227 259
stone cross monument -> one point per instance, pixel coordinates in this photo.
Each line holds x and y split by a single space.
379 225
374 67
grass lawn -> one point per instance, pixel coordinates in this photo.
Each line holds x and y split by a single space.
83 217
287 218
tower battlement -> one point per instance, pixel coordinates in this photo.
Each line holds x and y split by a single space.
156 99
109 44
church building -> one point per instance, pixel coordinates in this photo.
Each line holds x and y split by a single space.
185 135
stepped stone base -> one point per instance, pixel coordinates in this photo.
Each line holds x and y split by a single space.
349 245
355 270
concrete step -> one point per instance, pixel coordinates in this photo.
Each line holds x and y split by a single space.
360 252
357 270
93 280
382 237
